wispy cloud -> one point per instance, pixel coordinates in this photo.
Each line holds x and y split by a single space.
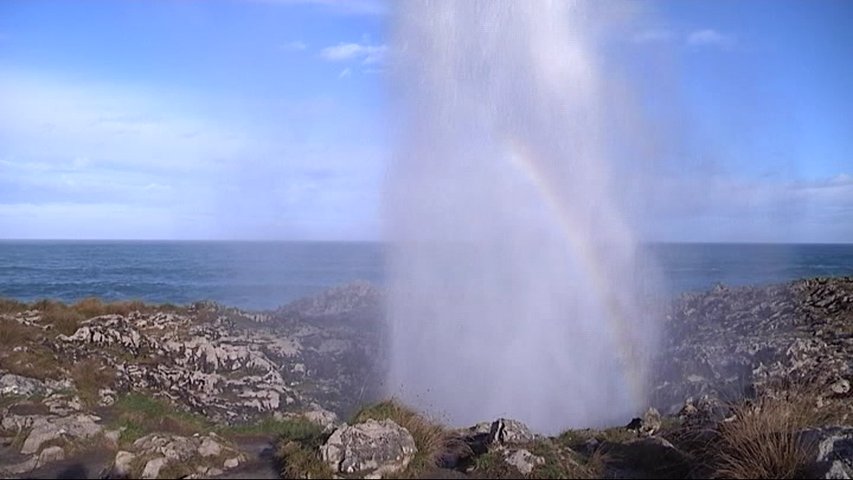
653 36
739 209
345 73
340 7
710 38
366 53
95 160
294 46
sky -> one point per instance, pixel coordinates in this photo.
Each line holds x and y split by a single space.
270 119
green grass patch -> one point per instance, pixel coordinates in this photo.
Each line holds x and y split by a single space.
576 438
492 465
286 429
562 462
140 415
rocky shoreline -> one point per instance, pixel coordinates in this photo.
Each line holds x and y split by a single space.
131 390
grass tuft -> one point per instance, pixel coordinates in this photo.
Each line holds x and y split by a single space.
764 437
299 447
13 333
23 353
90 376
562 462
8 305
63 320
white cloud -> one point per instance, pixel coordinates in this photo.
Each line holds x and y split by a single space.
345 73
710 38
293 46
96 160
367 54
652 36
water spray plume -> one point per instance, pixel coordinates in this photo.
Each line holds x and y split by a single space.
514 281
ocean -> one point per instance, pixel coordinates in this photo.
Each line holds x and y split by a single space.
265 275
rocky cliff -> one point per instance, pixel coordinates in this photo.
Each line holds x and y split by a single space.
201 391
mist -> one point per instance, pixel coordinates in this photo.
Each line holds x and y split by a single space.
516 286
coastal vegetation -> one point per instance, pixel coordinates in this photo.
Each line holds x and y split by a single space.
206 382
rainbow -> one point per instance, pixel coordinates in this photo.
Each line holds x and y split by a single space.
586 253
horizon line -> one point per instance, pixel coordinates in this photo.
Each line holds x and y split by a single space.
281 240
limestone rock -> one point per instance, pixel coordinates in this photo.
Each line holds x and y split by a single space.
505 431
317 415
22 386
523 460
173 447
321 416
153 466
198 451
106 397
45 429
121 464
841 387
834 457
382 448
50 454
651 422
209 448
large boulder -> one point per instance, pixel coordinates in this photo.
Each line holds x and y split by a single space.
377 447
45 429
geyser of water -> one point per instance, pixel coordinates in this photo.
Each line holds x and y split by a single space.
513 279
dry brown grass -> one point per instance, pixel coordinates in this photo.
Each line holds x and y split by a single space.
764 437
36 362
8 305
22 352
65 319
430 438
300 459
93 307
14 334
90 376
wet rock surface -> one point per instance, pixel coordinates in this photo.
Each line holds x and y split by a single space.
727 343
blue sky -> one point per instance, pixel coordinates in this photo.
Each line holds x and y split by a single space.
270 119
